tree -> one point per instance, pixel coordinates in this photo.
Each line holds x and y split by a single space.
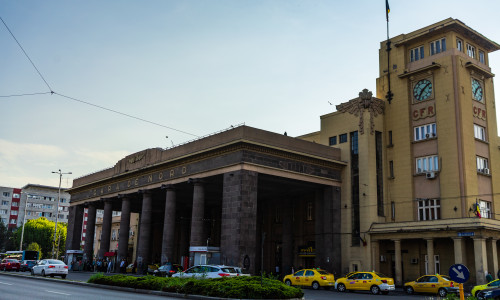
41 231
3 236
35 247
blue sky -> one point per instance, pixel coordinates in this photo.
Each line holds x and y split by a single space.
197 66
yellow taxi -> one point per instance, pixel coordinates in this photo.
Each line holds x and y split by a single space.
435 284
365 281
489 285
314 278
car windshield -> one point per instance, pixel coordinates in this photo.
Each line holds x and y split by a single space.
447 278
228 270
13 260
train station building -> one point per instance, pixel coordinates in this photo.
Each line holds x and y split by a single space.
405 185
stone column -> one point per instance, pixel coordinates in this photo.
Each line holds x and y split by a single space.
124 230
106 227
287 237
197 215
167 247
143 246
458 245
75 224
397 261
431 268
375 255
88 249
319 237
480 259
239 238
494 257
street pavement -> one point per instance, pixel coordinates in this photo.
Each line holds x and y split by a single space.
80 278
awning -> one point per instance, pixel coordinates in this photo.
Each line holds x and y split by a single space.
109 254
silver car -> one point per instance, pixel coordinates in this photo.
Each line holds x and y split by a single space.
51 267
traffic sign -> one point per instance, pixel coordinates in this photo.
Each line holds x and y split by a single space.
459 273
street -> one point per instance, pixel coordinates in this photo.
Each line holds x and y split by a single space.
21 285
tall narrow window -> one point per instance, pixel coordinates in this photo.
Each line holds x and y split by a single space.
391 169
393 210
485 208
309 211
379 166
479 132
481 56
482 165
390 138
460 45
355 220
471 51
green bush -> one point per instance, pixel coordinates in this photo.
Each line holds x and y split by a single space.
249 287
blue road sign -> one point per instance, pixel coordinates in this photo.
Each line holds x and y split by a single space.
459 273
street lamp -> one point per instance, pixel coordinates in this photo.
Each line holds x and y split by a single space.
57 212
24 222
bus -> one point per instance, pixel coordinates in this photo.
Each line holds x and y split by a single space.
23 255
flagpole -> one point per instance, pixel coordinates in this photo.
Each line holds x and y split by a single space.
389 92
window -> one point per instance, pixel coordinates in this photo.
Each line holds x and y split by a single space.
333 140
15 204
6 194
4 202
393 210
479 132
13 212
437 267
482 165
309 211
481 56
390 137
429 209
416 53
343 138
427 164
13 221
3 211
391 169
113 235
471 51
460 45
438 46
16 196
425 131
485 208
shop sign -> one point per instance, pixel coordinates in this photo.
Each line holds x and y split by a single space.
466 234
307 251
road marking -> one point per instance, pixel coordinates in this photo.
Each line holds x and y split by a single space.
6 283
57 293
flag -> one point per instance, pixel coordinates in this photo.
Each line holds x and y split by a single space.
477 211
387 10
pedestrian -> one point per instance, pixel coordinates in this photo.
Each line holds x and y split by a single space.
489 278
110 266
122 266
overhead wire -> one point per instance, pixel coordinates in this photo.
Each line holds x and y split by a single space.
75 99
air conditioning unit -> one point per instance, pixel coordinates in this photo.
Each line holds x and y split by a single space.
414 261
430 175
382 258
427 135
486 171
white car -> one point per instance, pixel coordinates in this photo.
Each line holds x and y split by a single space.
51 267
208 271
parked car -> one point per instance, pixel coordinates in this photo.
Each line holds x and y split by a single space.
9 264
314 278
130 268
493 293
366 281
435 284
167 270
152 268
26 265
489 285
208 271
51 267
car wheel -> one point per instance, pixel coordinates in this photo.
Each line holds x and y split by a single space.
375 289
409 290
442 292
341 287
43 273
63 276
315 285
288 282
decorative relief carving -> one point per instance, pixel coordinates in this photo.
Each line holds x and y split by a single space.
135 158
357 106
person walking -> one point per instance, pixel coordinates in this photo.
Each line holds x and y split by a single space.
122 266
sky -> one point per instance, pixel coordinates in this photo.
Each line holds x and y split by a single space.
189 68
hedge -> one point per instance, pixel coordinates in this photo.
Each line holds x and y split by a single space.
240 287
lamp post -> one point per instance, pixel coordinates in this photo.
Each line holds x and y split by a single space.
57 212
24 223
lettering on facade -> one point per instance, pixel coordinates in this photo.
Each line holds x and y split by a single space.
307 251
296 167
479 113
424 112
135 158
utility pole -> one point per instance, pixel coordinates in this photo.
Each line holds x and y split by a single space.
57 212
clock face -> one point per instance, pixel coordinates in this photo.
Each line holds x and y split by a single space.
422 90
477 90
